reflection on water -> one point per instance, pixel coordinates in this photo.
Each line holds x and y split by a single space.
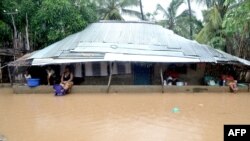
123 117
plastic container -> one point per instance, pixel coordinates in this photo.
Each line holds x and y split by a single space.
179 83
224 83
33 82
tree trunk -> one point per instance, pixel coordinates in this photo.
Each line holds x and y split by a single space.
190 20
14 37
27 34
142 14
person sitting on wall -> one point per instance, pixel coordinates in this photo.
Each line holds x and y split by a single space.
171 76
27 75
229 81
67 79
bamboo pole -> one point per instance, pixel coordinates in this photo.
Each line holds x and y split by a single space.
110 75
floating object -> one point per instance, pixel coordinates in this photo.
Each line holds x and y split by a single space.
175 110
33 82
179 83
201 105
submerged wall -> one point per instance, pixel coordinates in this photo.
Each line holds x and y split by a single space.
126 79
87 89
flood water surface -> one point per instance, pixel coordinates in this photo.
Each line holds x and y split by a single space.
120 117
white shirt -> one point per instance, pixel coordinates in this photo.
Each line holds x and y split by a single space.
27 76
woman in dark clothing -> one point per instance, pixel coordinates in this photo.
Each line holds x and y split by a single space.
67 79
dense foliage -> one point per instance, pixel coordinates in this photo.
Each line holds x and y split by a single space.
227 26
236 27
48 20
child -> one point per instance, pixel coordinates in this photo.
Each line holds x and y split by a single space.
27 76
230 82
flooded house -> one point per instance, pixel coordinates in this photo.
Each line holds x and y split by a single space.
127 53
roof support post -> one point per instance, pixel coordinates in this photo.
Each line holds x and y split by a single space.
10 77
110 75
1 72
162 81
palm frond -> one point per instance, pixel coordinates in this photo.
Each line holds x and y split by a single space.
215 18
185 13
204 35
174 5
111 9
127 3
131 13
112 15
161 9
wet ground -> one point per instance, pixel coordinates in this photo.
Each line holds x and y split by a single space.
120 117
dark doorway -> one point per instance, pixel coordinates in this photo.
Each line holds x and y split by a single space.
142 73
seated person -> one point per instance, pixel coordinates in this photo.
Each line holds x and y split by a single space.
171 77
67 79
230 82
169 80
210 80
50 74
27 75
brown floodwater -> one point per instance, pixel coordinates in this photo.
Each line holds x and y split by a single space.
120 117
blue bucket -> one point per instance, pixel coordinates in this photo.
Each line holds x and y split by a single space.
33 82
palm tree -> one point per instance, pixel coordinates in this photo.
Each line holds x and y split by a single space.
141 9
170 13
213 18
112 9
180 24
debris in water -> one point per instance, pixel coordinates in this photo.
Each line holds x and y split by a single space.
201 105
175 110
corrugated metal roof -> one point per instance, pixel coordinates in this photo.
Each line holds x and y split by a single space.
225 57
139 38
243 61
203 52
129 39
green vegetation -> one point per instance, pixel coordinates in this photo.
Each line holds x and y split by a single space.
236 26
225 25
48 20
180 24
113 9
